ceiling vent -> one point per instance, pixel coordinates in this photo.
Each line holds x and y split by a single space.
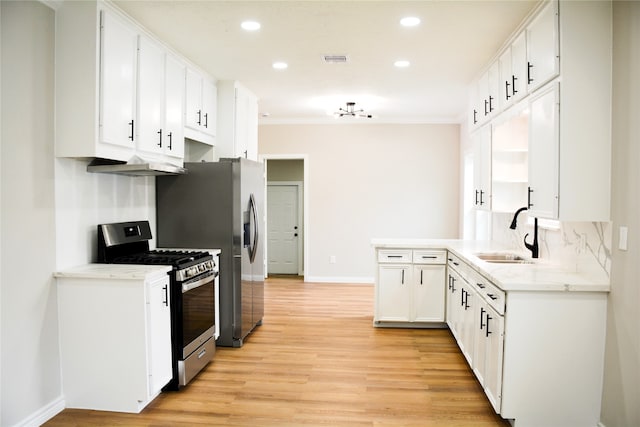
335 59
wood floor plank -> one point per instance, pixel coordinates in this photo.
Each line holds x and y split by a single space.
318 361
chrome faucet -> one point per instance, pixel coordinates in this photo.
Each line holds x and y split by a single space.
533 247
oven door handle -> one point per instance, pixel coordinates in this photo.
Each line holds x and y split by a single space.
189 286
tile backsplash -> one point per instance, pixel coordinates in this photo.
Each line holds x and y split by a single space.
585 246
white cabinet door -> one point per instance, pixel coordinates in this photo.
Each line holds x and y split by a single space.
453 302
208 107
119 49
193 110
481 141
159 333
519 67
544 153
394 293
246 124
543 47
428 293
494 349
513 72
201 100
466 330
174 107
151 72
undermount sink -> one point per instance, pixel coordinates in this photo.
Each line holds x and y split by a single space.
504 258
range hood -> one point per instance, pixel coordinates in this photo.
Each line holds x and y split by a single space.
136 166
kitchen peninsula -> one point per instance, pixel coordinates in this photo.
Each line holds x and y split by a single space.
532 331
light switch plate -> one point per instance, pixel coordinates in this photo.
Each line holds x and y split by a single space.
622 238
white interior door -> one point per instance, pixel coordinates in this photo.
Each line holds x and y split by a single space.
283 228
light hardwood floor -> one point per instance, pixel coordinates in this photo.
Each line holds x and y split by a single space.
318 361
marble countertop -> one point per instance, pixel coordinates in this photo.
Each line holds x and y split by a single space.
539 275
114 271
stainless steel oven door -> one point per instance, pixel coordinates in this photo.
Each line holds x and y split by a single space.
198 312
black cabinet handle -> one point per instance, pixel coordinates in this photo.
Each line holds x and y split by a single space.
490 104
462 297
402 277
477 192
486 107
529 67
487 331
481 197
492 296
199 117
206 120
481 285
482 311
170 140
394 256
453 284
529 191
160 142
475 116
513 84
506 89
456 264
421 272
166 295
132 126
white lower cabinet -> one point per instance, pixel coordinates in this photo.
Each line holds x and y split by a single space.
409 287
538 355
115 336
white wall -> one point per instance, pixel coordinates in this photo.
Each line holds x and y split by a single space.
30 362
370 181
50 209
621 394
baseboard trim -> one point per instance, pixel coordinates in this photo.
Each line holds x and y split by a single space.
43 414
350 280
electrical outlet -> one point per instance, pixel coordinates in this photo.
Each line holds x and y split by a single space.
622 238
332 259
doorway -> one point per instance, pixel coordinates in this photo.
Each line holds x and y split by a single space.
286 214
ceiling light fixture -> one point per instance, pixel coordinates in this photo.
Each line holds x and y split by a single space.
351 111
250 25
410 21
280 65
402 63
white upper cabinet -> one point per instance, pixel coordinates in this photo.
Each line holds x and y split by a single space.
543 60
160 102
151 96
481 140
543 153
513 72
119 49
174 106
237 121
570 99
200 118
119 91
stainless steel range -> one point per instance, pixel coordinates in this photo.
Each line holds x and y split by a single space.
193 282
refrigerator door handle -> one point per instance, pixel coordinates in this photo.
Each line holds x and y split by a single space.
253 248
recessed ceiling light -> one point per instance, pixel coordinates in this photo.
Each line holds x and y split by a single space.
280 65
250 25
402 63
410 21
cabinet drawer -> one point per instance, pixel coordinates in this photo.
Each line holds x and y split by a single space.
495 297
454 262
394 256
429 257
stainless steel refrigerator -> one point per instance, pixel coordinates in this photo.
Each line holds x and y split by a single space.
221 206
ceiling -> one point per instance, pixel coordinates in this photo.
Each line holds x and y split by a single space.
447 50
